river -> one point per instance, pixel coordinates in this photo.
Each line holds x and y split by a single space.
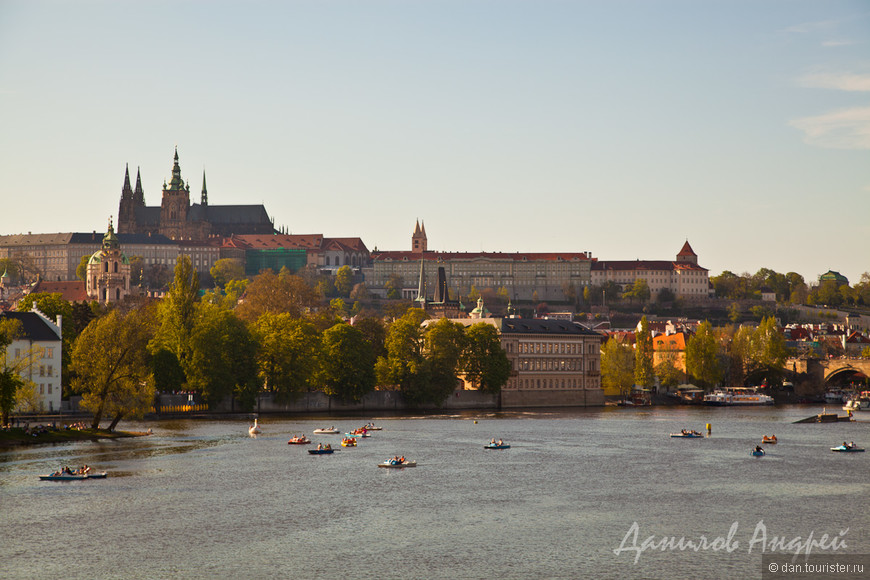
202 499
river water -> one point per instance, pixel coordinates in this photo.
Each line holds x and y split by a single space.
202 499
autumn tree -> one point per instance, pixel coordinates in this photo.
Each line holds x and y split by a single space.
110 360
639 289
270 293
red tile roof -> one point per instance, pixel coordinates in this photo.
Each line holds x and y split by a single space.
69 291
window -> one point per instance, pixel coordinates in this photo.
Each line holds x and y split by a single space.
41 370
48 352
50 371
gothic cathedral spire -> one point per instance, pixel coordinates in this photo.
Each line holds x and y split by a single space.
204 191
139 193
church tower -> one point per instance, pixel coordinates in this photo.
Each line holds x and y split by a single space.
108 271
126 214
175 204
419 243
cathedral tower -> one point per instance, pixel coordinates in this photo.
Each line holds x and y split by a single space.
175 204
419 243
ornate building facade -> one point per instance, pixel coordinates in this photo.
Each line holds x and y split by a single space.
179 219
525 276
108 271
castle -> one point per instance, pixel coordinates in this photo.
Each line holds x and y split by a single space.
178 219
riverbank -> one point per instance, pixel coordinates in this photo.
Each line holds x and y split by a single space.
18 436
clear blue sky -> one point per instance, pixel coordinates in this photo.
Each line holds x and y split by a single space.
622 128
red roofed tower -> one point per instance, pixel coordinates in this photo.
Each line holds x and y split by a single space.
687 255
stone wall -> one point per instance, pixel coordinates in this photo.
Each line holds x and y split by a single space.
554 398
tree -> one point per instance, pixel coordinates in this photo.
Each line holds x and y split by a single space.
177 313
222 356
484 361
359 292
82 268
110 361
665 295
226 270
767 351
156 276
702 356
347 368
166 370
374 332
640 290
393 286
444 343
275 294
644 375
617 367
403 364
667 371
288 354
344 281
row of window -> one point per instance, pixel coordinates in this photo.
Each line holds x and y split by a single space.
553 348
562 365
545 384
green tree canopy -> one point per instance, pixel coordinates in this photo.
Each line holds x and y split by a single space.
617 367
702 356
289 353
177 313
344 281
226 270
644 374
484 361
347 364
222 356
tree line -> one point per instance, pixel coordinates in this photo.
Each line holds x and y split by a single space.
731 356
274 333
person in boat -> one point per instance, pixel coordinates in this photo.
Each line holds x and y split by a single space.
500 442
319 446
492 442
846 445
851 444
401 459
758 448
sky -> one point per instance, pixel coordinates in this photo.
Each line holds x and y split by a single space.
621 128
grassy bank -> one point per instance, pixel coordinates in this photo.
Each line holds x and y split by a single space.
18 436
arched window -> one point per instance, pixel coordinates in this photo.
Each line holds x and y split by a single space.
105 266
118 295
115 266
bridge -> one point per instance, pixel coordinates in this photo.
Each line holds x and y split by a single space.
831 370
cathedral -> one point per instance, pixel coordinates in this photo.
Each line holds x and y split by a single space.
178 219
